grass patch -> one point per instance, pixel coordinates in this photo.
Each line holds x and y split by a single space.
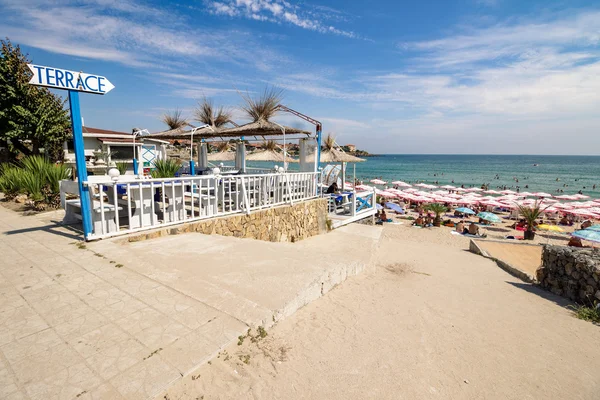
587 313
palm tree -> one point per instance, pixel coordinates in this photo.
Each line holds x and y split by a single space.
174 119
206 113
264 107
438 209
531 214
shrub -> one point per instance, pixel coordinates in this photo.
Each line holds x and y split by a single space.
33 184
165 168
122 166
37 177
11 180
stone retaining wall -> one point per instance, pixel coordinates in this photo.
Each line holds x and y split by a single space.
571 272
287 223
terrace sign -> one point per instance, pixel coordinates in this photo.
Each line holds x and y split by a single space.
74 82
69 80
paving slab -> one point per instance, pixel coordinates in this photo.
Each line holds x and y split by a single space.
111 320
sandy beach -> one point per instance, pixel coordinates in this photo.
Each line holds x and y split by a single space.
429 320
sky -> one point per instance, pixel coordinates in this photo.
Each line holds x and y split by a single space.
390 76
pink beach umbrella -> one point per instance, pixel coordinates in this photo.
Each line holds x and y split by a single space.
491 192
508 191
526 194
378 181
448 187
581 196
401 184
542 194
474 189
364 187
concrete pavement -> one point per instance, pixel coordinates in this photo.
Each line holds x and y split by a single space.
111 320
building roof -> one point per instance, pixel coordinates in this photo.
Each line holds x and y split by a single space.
89 129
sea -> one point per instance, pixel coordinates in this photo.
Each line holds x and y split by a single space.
532 173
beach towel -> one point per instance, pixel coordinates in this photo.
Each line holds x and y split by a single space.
467 235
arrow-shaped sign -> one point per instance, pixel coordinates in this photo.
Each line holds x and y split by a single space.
69 80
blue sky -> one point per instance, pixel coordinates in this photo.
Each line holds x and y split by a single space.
392 76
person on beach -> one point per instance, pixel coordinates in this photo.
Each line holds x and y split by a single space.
333 188
586 224
473 229
575 242
382 216
418 221
460 227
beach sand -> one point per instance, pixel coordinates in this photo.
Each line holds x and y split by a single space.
428 321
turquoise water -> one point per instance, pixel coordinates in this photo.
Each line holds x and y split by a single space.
576 172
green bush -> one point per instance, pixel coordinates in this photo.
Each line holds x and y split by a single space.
35 176
33 185
11 180
122 166
165 168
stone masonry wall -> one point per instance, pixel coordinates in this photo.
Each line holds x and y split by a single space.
281 224
571 272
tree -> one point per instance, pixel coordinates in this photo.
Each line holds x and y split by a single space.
531 214
437 209
31 117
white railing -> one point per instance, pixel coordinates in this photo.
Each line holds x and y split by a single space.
124 207
352 204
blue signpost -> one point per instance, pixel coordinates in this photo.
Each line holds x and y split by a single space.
74 82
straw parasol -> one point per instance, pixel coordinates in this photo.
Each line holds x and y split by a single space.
330 154
269 152
182 132
260 111
223 153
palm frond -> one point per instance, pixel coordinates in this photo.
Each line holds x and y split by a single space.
206 113
329 143
269 145
223 146
174 119
264 107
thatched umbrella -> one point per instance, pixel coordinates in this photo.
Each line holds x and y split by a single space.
223 153
260 111
332 155
269 152
174 119
208 114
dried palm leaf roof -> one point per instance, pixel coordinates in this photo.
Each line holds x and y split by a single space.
332 155
208 114
335 156
221 156
183 132
174 119
260 128
268 155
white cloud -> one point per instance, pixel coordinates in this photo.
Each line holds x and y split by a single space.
280 11
128 33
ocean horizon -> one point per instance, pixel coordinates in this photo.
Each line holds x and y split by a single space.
555 174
